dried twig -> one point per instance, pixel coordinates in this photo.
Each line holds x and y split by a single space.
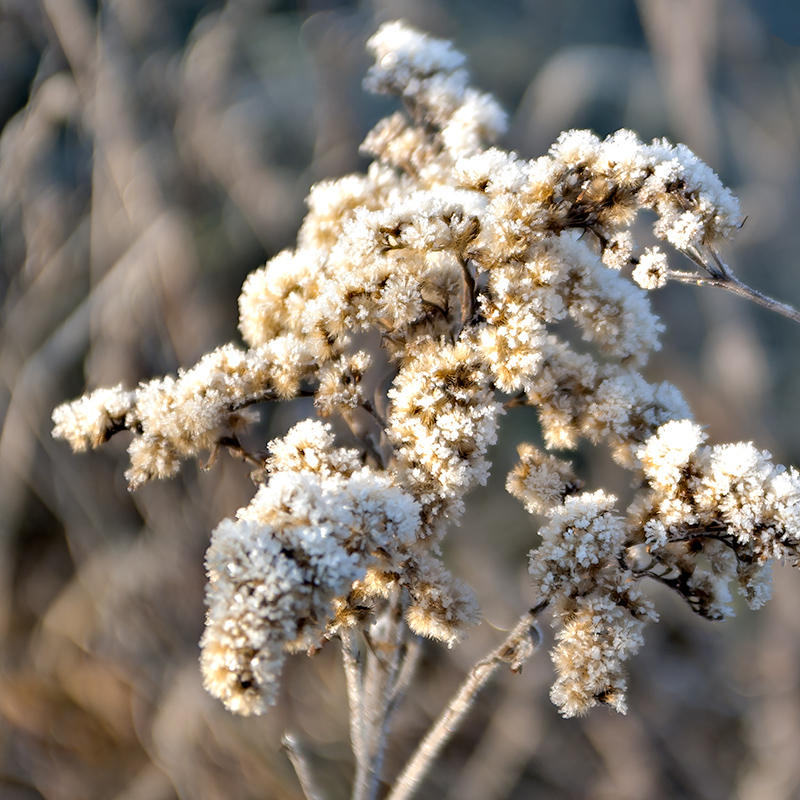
721 276
518 646
732 284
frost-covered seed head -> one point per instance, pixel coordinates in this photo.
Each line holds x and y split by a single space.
423 297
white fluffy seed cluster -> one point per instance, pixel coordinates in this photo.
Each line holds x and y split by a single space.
274 573
175 418
443 420
422 297
729 502
598 608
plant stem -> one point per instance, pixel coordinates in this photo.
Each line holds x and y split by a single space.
301 766
406 672
372 683
721 276
386 690
517 647
354 671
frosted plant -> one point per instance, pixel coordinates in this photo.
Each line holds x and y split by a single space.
423 298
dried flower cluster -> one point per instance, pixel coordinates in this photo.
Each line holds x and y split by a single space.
422 296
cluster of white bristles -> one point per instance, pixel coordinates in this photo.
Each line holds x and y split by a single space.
421 297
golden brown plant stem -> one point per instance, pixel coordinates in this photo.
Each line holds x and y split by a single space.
517 647
236 449
301 766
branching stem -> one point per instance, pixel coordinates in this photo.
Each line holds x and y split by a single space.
721 276
517 647
235 448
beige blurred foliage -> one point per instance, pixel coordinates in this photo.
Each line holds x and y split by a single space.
155 152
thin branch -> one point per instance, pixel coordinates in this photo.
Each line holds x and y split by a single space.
692 597
694 278
721 276
268 395
235 448
302 768
434 309
733 284
115 426
520 399
518 646
405 675
131 423
369 407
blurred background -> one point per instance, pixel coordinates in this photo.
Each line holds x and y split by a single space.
152 153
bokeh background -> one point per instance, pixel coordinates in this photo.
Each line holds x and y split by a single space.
152 153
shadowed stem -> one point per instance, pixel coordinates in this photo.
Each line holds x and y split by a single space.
469 298
376 678
518 646
301 766
386 689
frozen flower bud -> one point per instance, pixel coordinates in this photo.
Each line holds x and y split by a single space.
175 418
651 271
340 384
592 647
442 607
89 421
540 481
309 447
606 307
442 421
727 503
401 53
582 534
253 596
478 119
618 250
575 147
599 612
275 573
665 454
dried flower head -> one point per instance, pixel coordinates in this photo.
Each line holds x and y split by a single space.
420 296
